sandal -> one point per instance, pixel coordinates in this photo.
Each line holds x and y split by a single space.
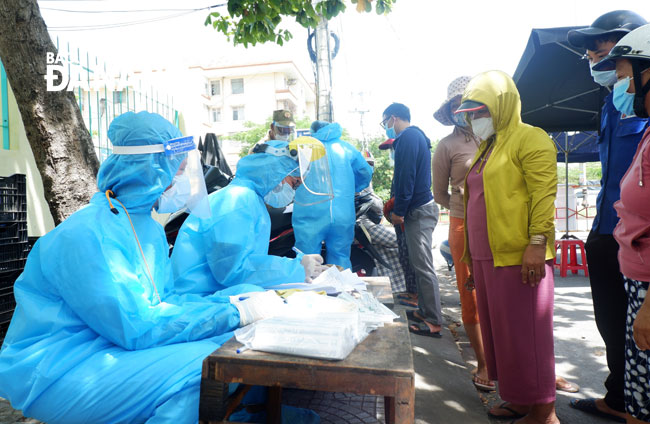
480 384
512 413
566 386
412 317
422 329
409 303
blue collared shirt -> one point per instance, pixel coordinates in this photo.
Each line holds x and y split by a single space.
619 138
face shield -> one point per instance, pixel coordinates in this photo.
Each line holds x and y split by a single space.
283 132
187 189
314 170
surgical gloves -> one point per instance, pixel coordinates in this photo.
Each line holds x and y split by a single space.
313 265
257 305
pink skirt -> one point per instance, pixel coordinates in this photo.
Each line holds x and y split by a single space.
517 329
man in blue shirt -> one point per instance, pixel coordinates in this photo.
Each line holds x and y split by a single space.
415 209
619 137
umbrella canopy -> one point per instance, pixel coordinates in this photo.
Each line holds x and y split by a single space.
556 87
576 147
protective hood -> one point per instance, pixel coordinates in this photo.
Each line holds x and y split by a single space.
329 133
139 180
498 92
262 171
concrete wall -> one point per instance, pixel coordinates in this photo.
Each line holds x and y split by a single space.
20 160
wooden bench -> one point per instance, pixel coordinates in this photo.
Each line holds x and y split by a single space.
381 365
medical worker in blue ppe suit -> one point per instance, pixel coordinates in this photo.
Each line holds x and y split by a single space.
232 246
98 336
332 221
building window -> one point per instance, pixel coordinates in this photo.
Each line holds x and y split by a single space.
237 85
238 113
207 112
215 88
216 114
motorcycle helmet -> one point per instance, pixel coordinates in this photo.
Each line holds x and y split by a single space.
617 22
635 47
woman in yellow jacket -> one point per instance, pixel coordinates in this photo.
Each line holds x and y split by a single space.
509 242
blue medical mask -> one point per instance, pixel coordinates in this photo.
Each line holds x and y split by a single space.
459 120
604 78
623 101
390 131
282 195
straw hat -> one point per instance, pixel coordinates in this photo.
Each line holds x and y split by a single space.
455 89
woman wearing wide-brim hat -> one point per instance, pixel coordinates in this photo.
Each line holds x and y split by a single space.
451 161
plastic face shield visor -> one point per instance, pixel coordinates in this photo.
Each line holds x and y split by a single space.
312 167
314 171
187 190
283 132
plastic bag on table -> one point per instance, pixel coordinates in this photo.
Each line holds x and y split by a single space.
321 335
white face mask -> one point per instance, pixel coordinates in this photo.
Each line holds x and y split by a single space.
483 128
280 196
174 198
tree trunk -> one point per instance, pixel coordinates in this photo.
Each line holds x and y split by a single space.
61 144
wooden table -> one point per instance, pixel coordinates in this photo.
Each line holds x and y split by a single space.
381 365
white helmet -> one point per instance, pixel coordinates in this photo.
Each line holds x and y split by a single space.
635 47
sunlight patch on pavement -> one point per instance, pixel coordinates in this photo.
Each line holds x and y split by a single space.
420 350
455 405
421 384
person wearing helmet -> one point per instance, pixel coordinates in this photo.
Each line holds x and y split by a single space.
619 136
332 220
630 59
98 334
232 246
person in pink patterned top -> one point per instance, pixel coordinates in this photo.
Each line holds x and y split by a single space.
631 59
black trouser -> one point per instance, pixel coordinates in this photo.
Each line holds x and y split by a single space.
610 309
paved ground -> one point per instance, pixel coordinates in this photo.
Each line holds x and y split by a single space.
444 392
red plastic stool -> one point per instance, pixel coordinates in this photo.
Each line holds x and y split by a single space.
569 258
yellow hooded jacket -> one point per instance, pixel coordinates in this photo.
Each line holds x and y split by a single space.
520 176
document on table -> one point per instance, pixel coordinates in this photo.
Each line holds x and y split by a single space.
331 281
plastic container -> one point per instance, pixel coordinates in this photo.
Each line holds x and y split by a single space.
13 193
7 304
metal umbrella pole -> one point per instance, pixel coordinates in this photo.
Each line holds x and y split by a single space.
566 186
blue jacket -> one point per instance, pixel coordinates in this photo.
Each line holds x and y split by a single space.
617 144
412 177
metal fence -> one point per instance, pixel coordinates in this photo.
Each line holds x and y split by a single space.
100 105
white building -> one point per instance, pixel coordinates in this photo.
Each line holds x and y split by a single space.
221 98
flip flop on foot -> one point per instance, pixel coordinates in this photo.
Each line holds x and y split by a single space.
409 303
422 329
510 413
589 406
566 386
484 385
412 317
406 296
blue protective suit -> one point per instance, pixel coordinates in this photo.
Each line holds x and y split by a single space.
232 247
332 221
89 341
